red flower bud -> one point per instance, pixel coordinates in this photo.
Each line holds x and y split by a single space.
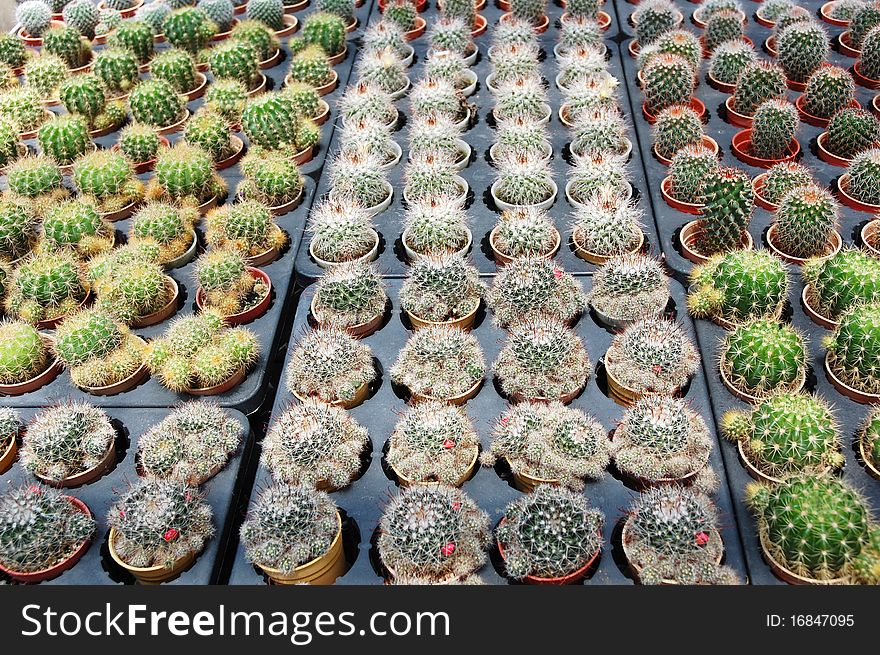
448 549
448 443
558 273
456 506
171 534
702 538
657 369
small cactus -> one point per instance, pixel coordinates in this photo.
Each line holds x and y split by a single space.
156 103
579 32
342 8
314 444
869 439
595 172
784 177
669 80
773 130
39 526
189 28
270 179
688 169
247 226
139 143
258 36
436 225
132 289
34 16
523 180
439 362
117 69
177 67
272 121
236 60
368 135
368 100
46 286
330 365
652 356
440 289
528 287
75 225
729 59
44 74
221 12
653 19
542 359
852 131
268 12
21 107
19 228
67 43
764 356
158 522
603 131
359 176
451 33
433 442
726 196
23 356
607 224
287 527
864 176
228 286
65 138
11 427
738 286
383 69
402 13
852 349
386 35
521 99
863 20
437 96
228 98
85 95
723 26
677 126
165 226
829 90
135 36
629 287
550 441
325 30
758 82
525 232
185 176
106 178
13 52
785 434
341 231
805 220
350 294
549 533
847 278
65 440
208 131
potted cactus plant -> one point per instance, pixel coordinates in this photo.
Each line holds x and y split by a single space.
439 96
69 444
431 175
238 292
140 145
866 439
850 131
682 188
521 98
271 179
327 30
198 355
261 38
352 296
238 60
805 225
190 29
436 134
363 100
606 226
550 536
136 36
330 365
387 35
668 80
273 14
738 286
523 232
837 283
156 103
662 440
769 188
11 427
67 43
228 98
450 547
828 90
169 229
596 171
191 444
185 176
671 537
86 96
542 360
628 288
530 286
758 82
802 48
678 126
441 290
440 362
358 175
117 68
383 69
828 512
178 68
849 362
520 133
42 532
19 233
106 179
11 148
342 231
272 121
530 11
762 357
649 356
404 14
433 443
158 528
294 535
21 106
76 226
728 60
523 181
785 434
771 139
247 227
314 444
859 187
46 287
312 66
549 443
369 135
44 74
26 362
102 356
434 226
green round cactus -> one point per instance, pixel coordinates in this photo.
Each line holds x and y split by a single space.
774 127
787 433
802 49
342 8
653 19
763 356
33 177
441 288
44 74
669 80
117 69
758 82
22 107
730 59
156 103
34 16
65 138
341 231
722 26
726 195
330 365
166 226
817 527
869 60
185 175
738 286
10 146
135 36
869 439
829 90
864 176
107 178
153 14
310 65
268 12
247 226
227 285
863 20
853 346
177 67
271 179
436 225
325 30
83 16
688 168
23 352
139 143
13 52
67 43
209 132
782 178
235 60
805 220
848 278
189 28
77 226
18 228
677 126
528 287
84 95
222 12
228 98
852 131
272 121
351 293
258 36
46 286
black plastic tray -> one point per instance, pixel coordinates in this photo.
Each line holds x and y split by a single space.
669 221
480 173
849 413
364 499
221 492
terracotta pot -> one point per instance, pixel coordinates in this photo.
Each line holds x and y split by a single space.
145 166
869 235
862 80
125 13
360 395
408 482
734 117
258 88
150 575
480 26
748 396
844 197
271 61
304 156
40 380
620 323
230 383
89 475
619 392
757 192
252 313
788 576
369 256
696 104
565 398
718 85
164 312
685 207
323 570
813 313
689 236
323 113
56 569
50 323
358 331
636 569
570 578
295 6
527 483
187 256
873 471
465 322
175 126
199 90
37 40
875 107
420 25
770 46
842 387
501 259
123 385
753 470
633 48
208 205
547 203
460 399
832 246
827 156
291 24
845 46
267 256
237 152
222 36
24 136
817 121
825 13
596 258
123 213
766 22
7 457
351 24
742 150
705 141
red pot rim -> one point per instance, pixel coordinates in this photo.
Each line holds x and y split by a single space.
418 30
696 104
770 46
741 145
734 117
757 188
825 13
862 80
718 85
844 47
480 25
833 240
251 313
849 201
706 141
817 121
685 207
827 156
